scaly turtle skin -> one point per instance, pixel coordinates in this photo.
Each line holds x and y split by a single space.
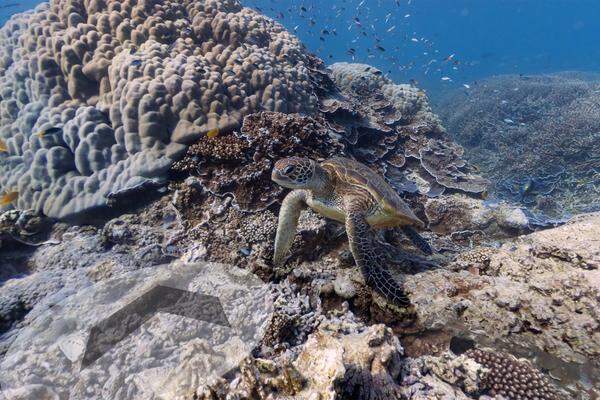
349 192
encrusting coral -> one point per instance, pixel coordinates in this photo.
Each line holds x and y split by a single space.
129 85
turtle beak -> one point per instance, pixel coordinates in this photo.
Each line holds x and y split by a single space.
419 224
277 177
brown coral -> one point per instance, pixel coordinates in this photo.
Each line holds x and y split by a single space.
239 165
512 378
393 126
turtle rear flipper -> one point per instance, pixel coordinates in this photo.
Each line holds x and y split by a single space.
370 258
417 239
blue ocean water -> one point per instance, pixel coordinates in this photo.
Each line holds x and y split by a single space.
428 41
10 7
464 40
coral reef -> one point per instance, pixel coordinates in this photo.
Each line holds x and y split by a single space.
538 291
361 365
459 215
394 123
512 378
239 165
505 293
102 100
100 97
535 137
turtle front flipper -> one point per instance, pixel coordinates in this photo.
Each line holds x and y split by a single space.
417 239
364 248
289 214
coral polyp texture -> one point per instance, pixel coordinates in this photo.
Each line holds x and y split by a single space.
130 85
511 378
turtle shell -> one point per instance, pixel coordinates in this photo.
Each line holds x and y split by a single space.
354 173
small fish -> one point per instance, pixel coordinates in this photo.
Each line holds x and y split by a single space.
509 121
466 86
392 28
303 8
213 133
526 187
379 48
415 40
407 15
8 198
49 131
3 146
446 78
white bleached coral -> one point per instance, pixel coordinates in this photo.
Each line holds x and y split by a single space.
131 84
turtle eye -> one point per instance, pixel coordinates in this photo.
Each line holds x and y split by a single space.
288 169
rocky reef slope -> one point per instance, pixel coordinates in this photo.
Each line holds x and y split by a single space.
200 98
536 137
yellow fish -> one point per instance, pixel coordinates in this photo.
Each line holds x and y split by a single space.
49 131
8 198
3 146
213 133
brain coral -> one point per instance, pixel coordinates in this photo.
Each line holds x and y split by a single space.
130 85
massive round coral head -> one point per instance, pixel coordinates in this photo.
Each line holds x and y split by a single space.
130 85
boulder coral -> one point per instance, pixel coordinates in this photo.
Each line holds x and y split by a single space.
130 85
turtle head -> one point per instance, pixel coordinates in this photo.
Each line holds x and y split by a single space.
297 173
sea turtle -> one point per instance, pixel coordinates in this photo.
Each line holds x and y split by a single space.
349 192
